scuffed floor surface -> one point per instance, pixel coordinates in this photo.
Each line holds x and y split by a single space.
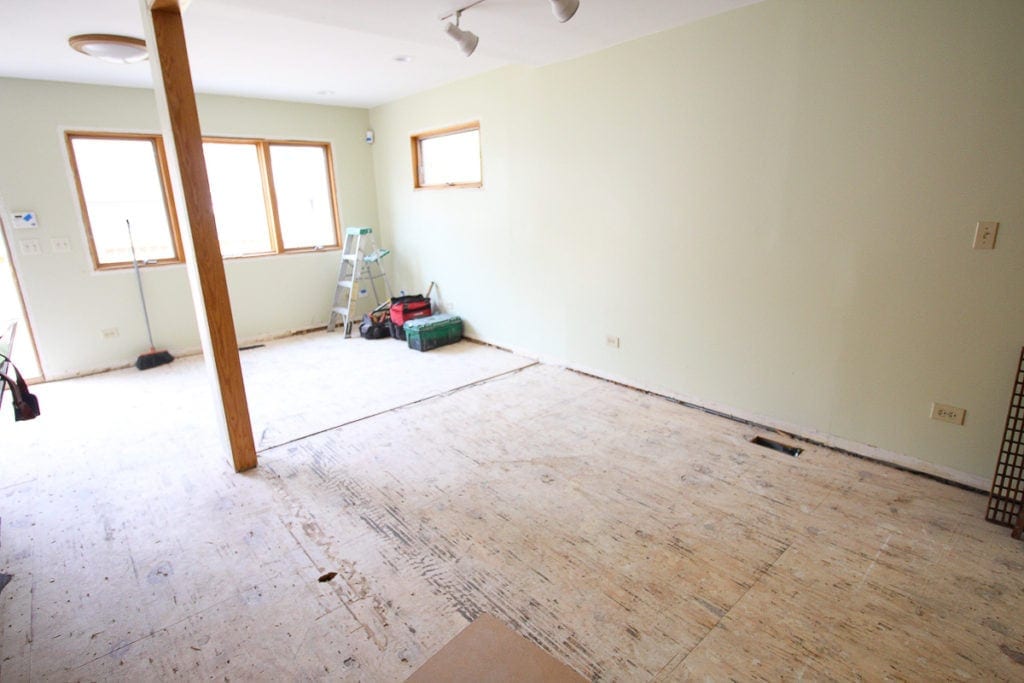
632 538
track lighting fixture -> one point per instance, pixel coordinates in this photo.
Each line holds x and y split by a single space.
466 40
564 10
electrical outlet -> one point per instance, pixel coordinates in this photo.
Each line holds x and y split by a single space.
612 341
985 235
951 414
29 247
60 245
110 333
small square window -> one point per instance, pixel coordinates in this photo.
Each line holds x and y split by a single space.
449 157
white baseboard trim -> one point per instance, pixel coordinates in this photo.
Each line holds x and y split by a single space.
808 434
185 353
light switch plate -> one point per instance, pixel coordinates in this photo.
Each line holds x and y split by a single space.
985 235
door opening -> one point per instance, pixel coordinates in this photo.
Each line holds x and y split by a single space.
12 309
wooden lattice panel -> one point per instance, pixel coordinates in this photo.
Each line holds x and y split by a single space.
1004 504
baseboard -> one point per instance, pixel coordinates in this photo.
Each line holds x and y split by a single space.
185 353
810 435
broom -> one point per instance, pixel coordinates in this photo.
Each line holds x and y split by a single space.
152 358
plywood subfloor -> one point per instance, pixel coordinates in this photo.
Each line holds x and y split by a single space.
630 537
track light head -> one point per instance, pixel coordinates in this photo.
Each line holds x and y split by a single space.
564 9
466 40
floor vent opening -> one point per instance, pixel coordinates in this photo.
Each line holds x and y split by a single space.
776 446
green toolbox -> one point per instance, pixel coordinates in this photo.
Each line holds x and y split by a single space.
428 333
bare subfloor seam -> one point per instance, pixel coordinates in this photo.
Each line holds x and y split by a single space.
400 407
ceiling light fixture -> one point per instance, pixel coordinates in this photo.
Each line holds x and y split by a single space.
564 10
466 40
110 48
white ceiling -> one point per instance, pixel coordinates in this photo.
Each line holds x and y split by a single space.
329 51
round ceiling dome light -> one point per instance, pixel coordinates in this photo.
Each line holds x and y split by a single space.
110 48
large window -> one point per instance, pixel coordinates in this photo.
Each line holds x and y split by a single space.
449 157
122 180
269 197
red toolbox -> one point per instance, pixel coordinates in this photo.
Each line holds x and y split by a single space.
406 308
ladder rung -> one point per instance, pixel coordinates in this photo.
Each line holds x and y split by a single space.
346 283
340 310
349 257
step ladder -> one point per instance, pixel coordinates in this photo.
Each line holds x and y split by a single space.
360 262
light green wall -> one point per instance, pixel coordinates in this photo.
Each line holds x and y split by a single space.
773 208
69 304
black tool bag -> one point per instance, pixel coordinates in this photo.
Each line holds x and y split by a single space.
373 329
26 405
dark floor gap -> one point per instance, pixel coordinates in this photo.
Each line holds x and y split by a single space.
776 446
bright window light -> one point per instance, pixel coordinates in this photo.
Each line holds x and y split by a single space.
303 192
448 157
124 176
120 180
239 204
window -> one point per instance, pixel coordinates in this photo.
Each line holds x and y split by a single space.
239 204
302 186
449 157
123 179
269 197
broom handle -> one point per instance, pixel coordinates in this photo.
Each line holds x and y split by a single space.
138 278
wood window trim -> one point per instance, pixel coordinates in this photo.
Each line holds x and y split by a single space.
165 182
332 194
415 140
263 146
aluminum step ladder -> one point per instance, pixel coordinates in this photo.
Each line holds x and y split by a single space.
360 262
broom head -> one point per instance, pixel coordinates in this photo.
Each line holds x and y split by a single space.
153 359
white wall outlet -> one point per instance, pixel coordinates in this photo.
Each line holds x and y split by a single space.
612 341
985 235
25 219
29 247
60 245
110 333
945 413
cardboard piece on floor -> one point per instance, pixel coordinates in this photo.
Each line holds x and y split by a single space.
487 651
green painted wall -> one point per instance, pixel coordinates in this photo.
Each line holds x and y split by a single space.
773 208
69 303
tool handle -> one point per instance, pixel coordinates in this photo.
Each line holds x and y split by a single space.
138 278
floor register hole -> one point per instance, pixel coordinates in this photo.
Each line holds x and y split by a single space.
776 446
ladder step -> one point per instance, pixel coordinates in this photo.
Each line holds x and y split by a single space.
359 259
376 256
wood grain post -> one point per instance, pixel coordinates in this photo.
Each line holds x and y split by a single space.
176 103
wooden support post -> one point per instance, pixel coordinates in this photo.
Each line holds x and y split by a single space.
176 102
